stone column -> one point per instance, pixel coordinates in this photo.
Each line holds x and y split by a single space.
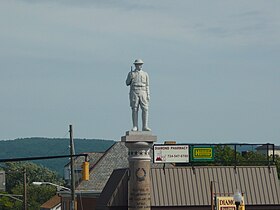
139 144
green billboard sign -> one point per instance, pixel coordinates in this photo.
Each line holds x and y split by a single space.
201 153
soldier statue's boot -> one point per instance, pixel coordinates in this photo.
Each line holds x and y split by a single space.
145 121
135 120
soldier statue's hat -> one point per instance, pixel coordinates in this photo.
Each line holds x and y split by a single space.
138 61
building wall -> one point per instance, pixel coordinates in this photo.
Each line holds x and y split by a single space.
65 203
82 203
276 153
87 203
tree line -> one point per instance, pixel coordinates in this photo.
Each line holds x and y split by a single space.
36 195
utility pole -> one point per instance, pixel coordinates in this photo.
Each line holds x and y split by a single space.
73 203
25 190
24 194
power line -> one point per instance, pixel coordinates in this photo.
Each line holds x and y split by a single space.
40 158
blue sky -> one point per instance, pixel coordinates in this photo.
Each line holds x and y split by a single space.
213 65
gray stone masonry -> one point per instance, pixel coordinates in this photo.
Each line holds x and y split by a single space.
135 136
139 144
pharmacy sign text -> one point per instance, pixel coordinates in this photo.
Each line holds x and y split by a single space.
176 153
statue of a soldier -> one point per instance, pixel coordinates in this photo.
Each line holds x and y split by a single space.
139 94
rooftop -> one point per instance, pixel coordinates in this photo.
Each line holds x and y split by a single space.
190 186
53 202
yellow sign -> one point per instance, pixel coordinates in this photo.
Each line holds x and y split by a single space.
204 153
228 203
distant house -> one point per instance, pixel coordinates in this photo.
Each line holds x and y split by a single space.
269 149
53 204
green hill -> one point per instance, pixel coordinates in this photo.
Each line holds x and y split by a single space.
41 147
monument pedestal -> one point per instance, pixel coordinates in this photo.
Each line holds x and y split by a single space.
139 144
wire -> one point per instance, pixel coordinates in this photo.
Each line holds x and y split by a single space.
39 158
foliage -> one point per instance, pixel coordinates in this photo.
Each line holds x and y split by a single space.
225 155
36 195
34 173
6 203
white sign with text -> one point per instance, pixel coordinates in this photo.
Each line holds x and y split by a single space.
171 153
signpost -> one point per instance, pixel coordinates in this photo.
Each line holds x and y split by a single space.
171 153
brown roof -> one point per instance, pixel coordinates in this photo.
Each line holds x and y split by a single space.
54 201
190 186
